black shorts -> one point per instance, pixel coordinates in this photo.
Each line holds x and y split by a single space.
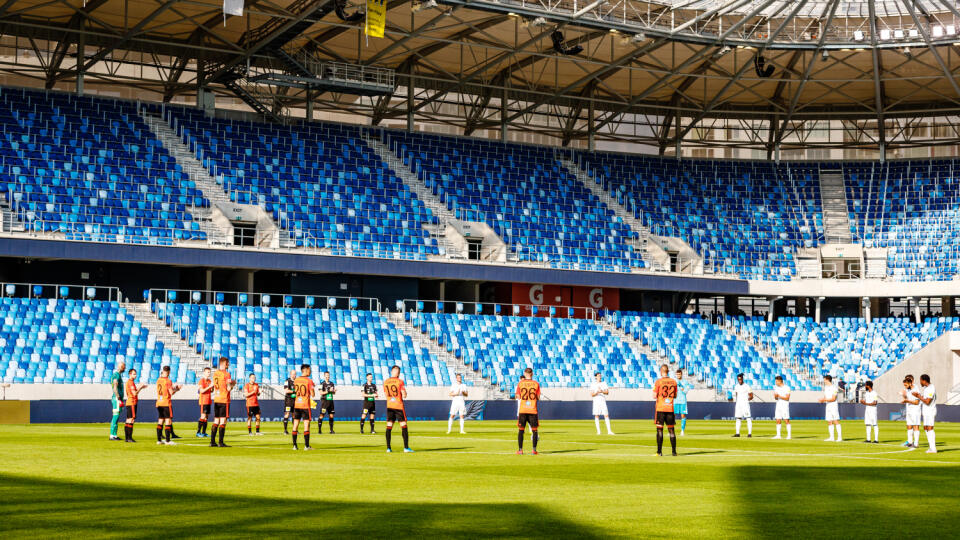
369 407
301 414
526 418
131 412
164 412
221 410
668 419
205 409
253 411
326 407
288 404
396 415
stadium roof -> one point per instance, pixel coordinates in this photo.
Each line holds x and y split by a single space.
879 67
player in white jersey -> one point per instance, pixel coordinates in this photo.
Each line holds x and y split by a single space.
912 412
832 413
742 394
928 410
599 392
458 406
869 401
781 393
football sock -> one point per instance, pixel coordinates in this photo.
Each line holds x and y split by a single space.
213 436
673 439
258 426
931 440
839 433
249 429
285 424
159 432
331 424
406 437
788 431
536 439
683 424
778 430
596 420
830 430
114 424
128 431
749 426
167 430
461 423
306 438
868 433
388 433
876 433
223 431
294 437
606 419
909 436
200 426
371 426
520 439
659 440
738 426
361 424
449 424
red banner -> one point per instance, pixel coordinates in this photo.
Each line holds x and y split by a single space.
596 298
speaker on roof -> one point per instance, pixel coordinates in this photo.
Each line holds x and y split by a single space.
558 45
758 64
338 8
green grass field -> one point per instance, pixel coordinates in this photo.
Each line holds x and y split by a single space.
69 481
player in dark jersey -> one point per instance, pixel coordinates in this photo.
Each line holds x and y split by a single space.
327 390
665 392
369 393
289 396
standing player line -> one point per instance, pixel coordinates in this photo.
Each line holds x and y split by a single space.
205 390
396 393
165 391
528 398
912 416
742 394
222 385
458 406
369 393
116 399
781 394
132 399
665 392
251 391
327 390
599 392
680 404
289 397
832 409
870 400
928 410
304 390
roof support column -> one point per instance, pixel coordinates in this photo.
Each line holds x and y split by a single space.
410 104
81 43
677 148
309 97
591 142
503 115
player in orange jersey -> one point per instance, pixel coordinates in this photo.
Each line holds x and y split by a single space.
165 391
528 397
396 393
132 399
303 389
665 392
251 391
205 389
222 385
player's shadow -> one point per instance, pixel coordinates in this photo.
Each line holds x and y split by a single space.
443 449
39 507
570 451
700 452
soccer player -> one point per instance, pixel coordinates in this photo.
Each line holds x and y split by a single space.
327 390
680 404
205 389
665 392
132 399
222 385
458 406
116 400
912 405
303 389
369 392
396 393
832 412
742 394
928 410
781 394
599 392
251 391
870 400
289 396
165 391
528 397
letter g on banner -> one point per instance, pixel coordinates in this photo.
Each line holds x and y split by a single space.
596 298
536 294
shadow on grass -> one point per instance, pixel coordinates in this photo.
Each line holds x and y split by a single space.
45 508
844 501
571 451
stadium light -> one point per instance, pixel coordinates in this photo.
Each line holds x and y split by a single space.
898 34
426 4
937 31
951 30
907 53
914 33
858 35
885 34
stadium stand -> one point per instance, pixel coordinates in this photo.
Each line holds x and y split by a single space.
271 341
320 182
77 341
563 352
540 210
90 169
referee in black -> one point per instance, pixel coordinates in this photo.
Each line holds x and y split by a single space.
289 395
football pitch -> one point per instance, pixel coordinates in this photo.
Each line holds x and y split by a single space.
69 481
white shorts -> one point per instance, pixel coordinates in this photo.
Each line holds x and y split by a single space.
832 414
600 408
870 416
913 418
458 408
928 419
782 411
742 410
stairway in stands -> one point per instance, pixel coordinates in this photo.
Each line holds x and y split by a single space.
489 388
788 363
618 209
171 340
833 198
